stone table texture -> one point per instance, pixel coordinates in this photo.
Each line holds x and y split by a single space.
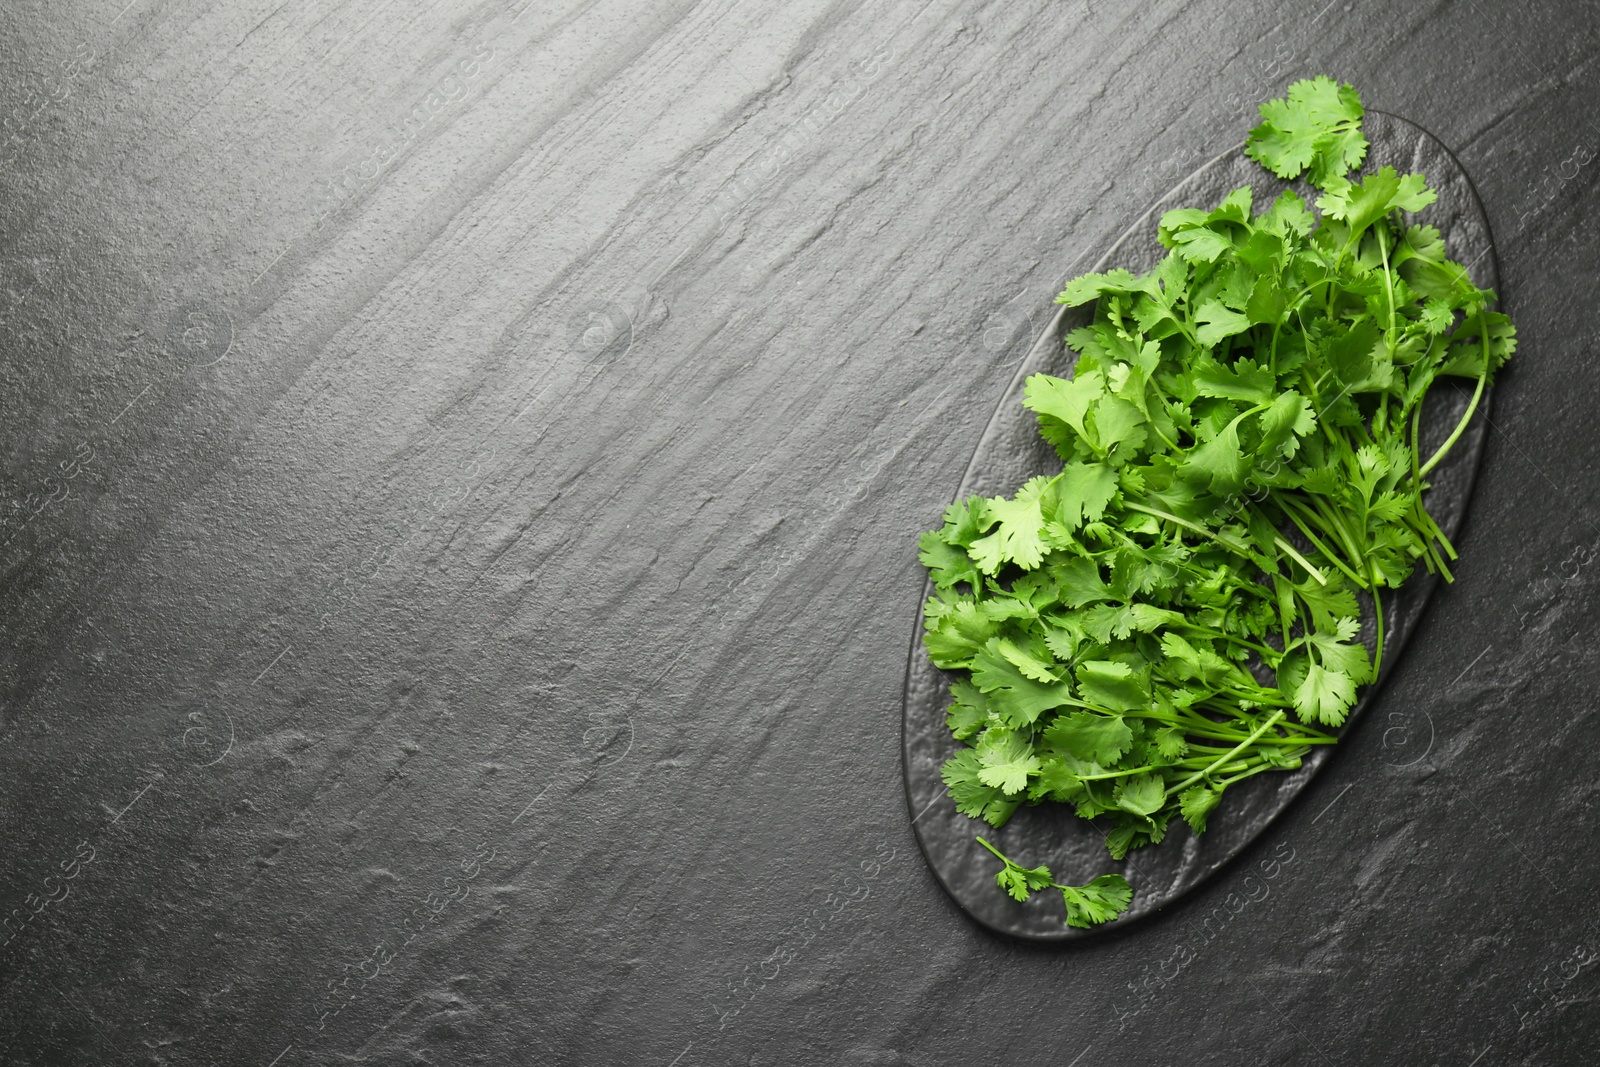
462 463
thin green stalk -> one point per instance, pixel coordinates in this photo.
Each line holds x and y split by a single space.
1263 728
1472 407
1327 553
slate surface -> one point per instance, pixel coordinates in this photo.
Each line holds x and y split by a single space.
461 467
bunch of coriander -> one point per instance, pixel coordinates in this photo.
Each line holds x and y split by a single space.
1139 631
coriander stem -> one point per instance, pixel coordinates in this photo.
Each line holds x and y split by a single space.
1377 605
996 851
1298 558
1388 282
1477 394
1266 650
1241 777
1331 556
1336 524
1202 531
1263 728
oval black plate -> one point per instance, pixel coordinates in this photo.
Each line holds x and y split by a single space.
1011 451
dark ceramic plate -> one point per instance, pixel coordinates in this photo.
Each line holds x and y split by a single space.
1011 451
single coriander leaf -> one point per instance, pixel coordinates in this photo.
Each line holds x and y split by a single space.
1218 462
1062 404
1283 424
1437 316
959 634
1058 780
968 712
965 521
1196 803
1015 697
1021 881
1246 380
1317 126
1128 833
947 564
1335 653
1217 322
1141 794
1235 207
1082 493
974 799
1090 737
1087 287
1200 665
1019 536
1006 762
1466 355
1117 429
1031 666
1078 582
1324 696
1199 244
1170 743
1099 901
1112 685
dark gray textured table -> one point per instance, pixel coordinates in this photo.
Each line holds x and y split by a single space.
462 463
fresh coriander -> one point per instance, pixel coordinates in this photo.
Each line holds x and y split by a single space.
1176 609
1104 898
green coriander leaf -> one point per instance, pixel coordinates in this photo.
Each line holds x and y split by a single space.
1170 742
1217 322
1141 794
1218 462
1200 245
1112 685
1117 428
1284 423
1336 653
1019 537
1087 736
959 634
1087 287
1316 127
1360 204
1324 696
1031 666
1083 491
1079 582
1016 698
1196 803
969 711
1128 833
1005 761
1021 881
1437 316
1100 901
965 521
1246 380
1062 404
948 564
974 799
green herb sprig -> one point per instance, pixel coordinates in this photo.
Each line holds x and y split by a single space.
1176 610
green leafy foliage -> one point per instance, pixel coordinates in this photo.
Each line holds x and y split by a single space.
1178 608
1099 901
1317 128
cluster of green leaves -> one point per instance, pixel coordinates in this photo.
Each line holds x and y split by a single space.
1176 609
1104 898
